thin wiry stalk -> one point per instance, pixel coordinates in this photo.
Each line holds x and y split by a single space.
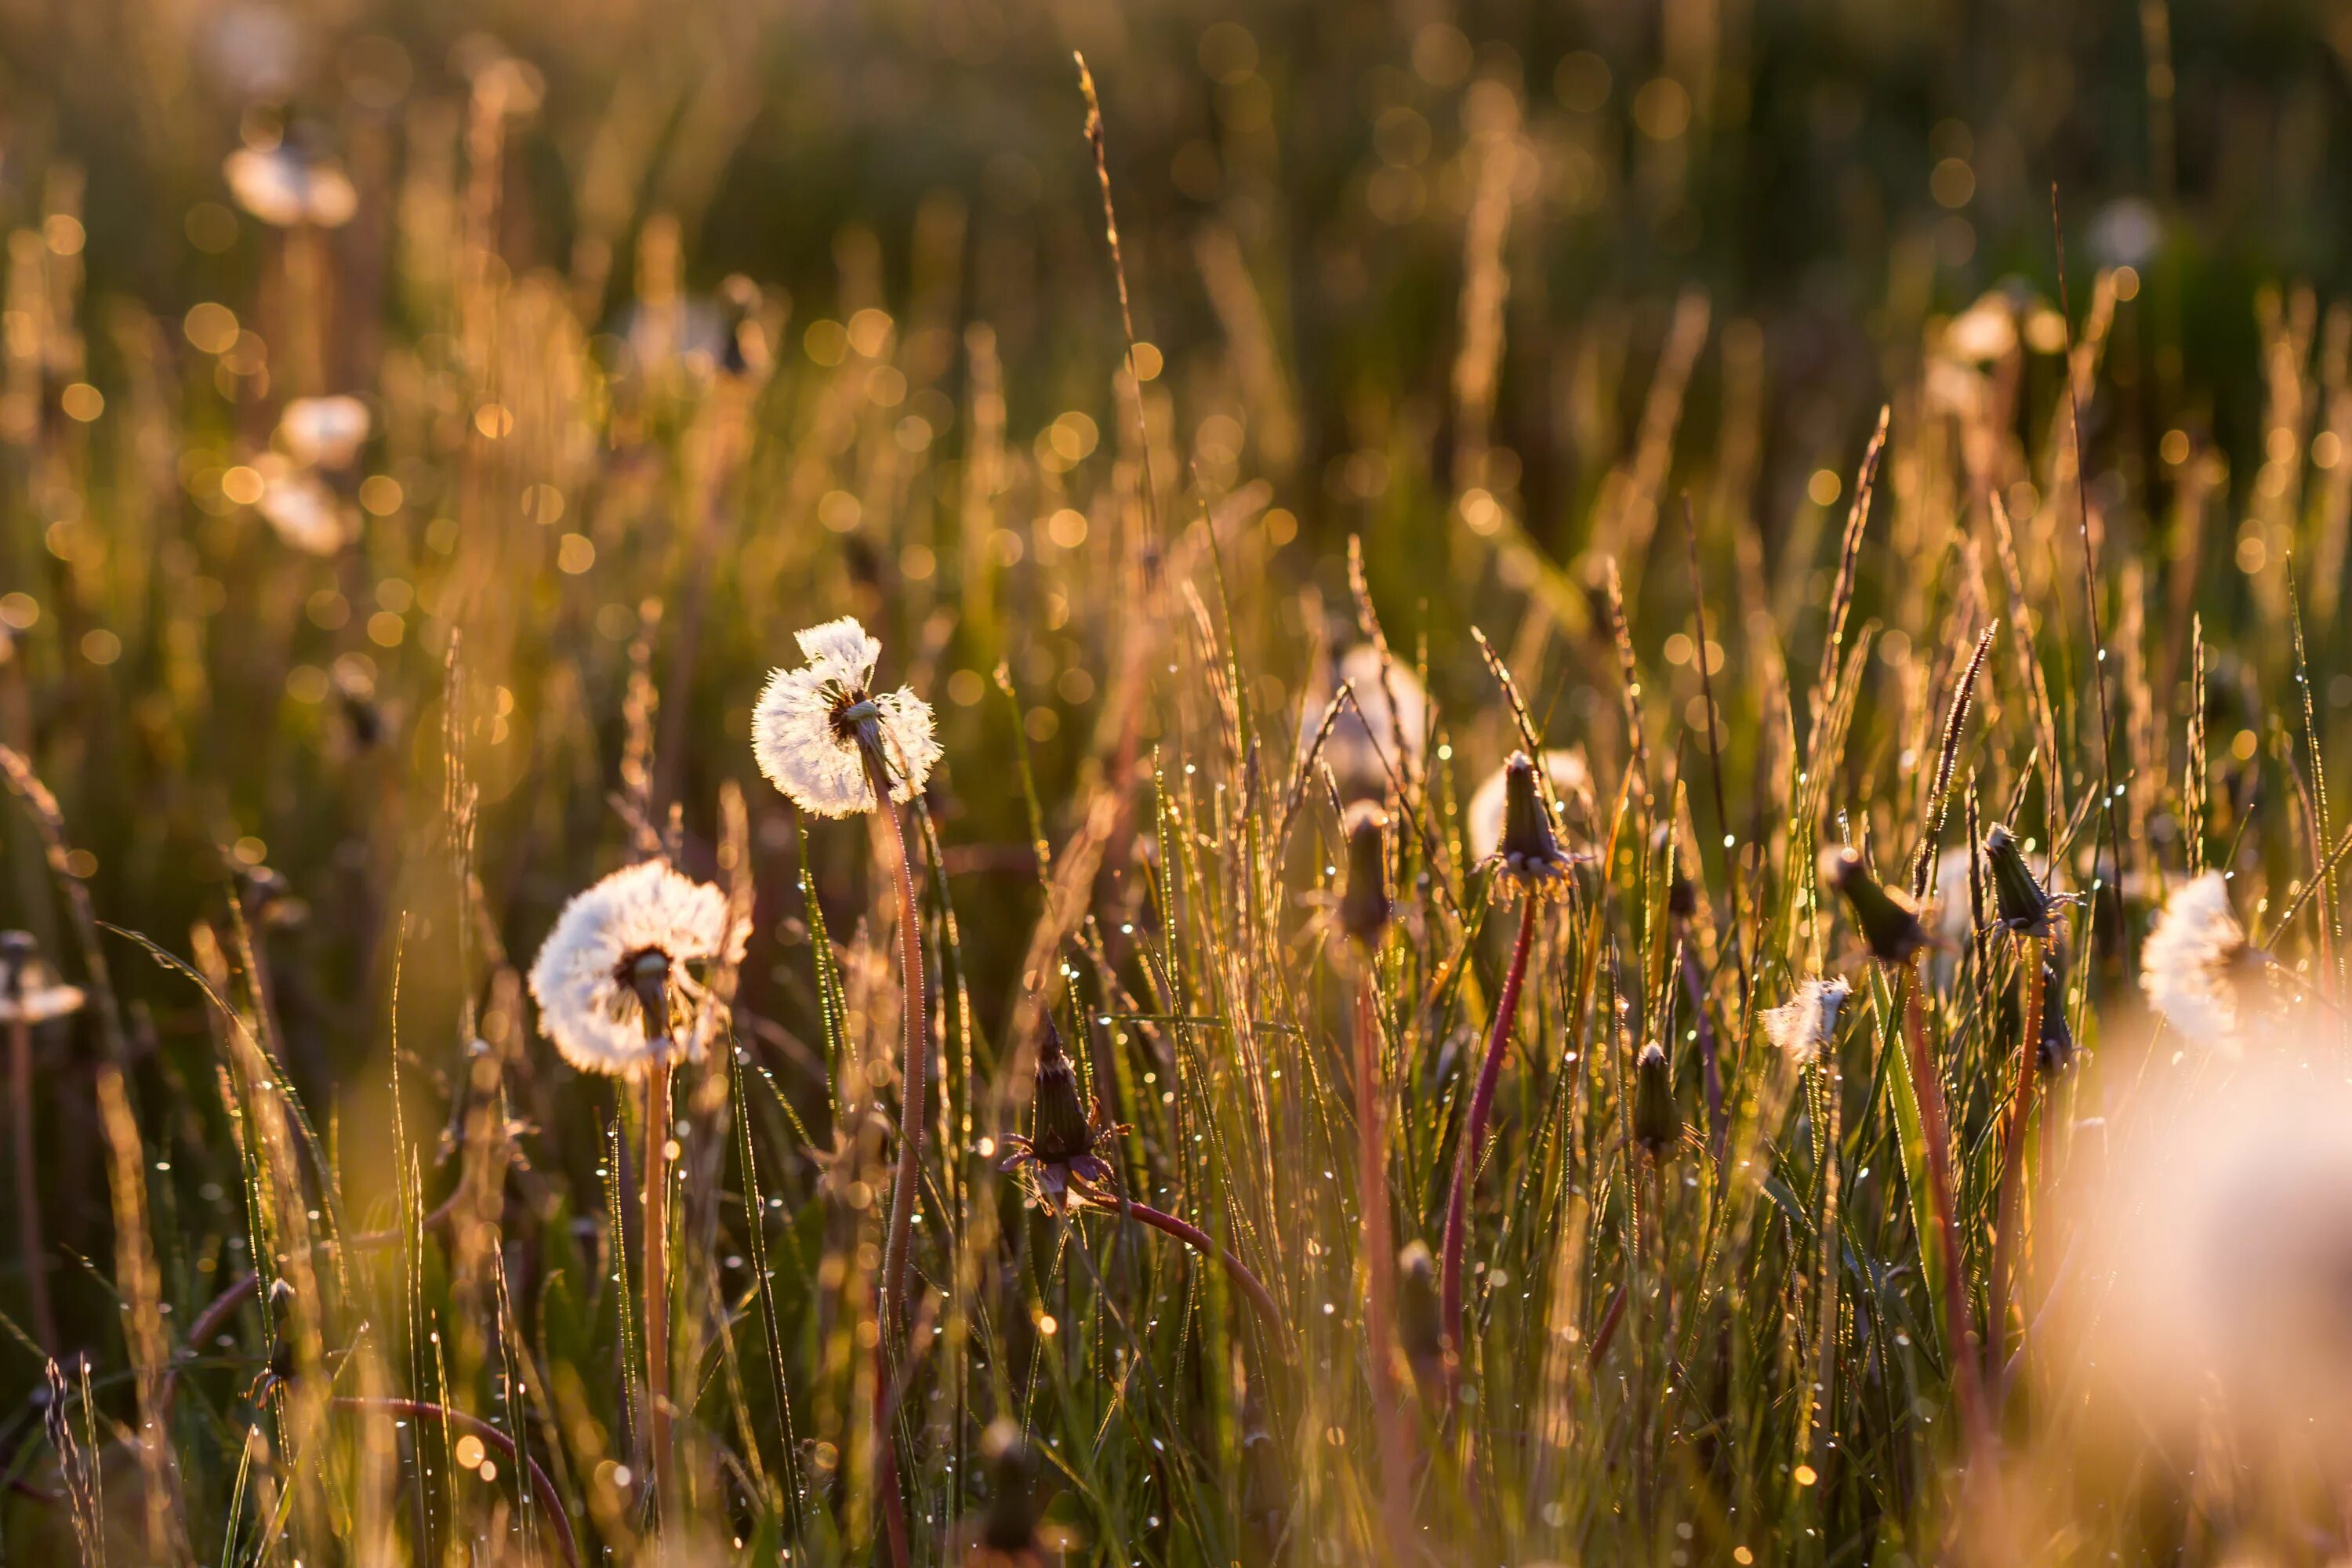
1199 1241
28 1192
1473 1131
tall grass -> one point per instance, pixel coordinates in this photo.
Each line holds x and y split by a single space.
1491 1224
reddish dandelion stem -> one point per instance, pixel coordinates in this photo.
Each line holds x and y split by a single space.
1473 1131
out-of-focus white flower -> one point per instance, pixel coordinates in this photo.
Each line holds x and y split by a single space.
2194 961
30 990
1985 332
301 507
2127 232
1388 710
1951 916
284 188
323 432
643 930
813 726
1801 1029
2198 1260
1572 784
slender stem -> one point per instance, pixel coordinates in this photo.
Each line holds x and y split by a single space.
657 1249
1933 1129
915 1062
2012 1159
1198 1240
1474 1133
28 1204
1379 1259
542 1486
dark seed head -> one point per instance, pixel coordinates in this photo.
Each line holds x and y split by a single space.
647 973
1064 1130
1364 906
1657 1122
2020 904
1529 852
1887 922
1012 1520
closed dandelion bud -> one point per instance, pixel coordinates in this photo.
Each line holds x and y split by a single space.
2020 904
1682 898
1886 920
1364 905
1012 1520
1657 1124
1064 1131
1529 854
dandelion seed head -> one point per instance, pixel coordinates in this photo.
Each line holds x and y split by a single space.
2192 960
811 725
1803 1028
584 977
30 990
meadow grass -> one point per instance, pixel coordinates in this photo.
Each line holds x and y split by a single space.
1669 1167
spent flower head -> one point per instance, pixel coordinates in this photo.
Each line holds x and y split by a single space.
819 730
616 977
1571 780
1528 857
2020 905
1802 1028
1062 1147
1887 921
2196 961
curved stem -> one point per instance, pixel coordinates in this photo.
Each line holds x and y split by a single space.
542 1487
1198 1240
1474 1133
2012 1160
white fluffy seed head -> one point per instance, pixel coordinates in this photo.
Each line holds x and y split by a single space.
1804 1026
580 979
2192 960
806 749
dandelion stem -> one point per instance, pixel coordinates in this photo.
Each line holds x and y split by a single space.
657 1282
28 1206
1380 1258
1473 1131
2012 1159
1198 1240
1928 1087
914 1063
